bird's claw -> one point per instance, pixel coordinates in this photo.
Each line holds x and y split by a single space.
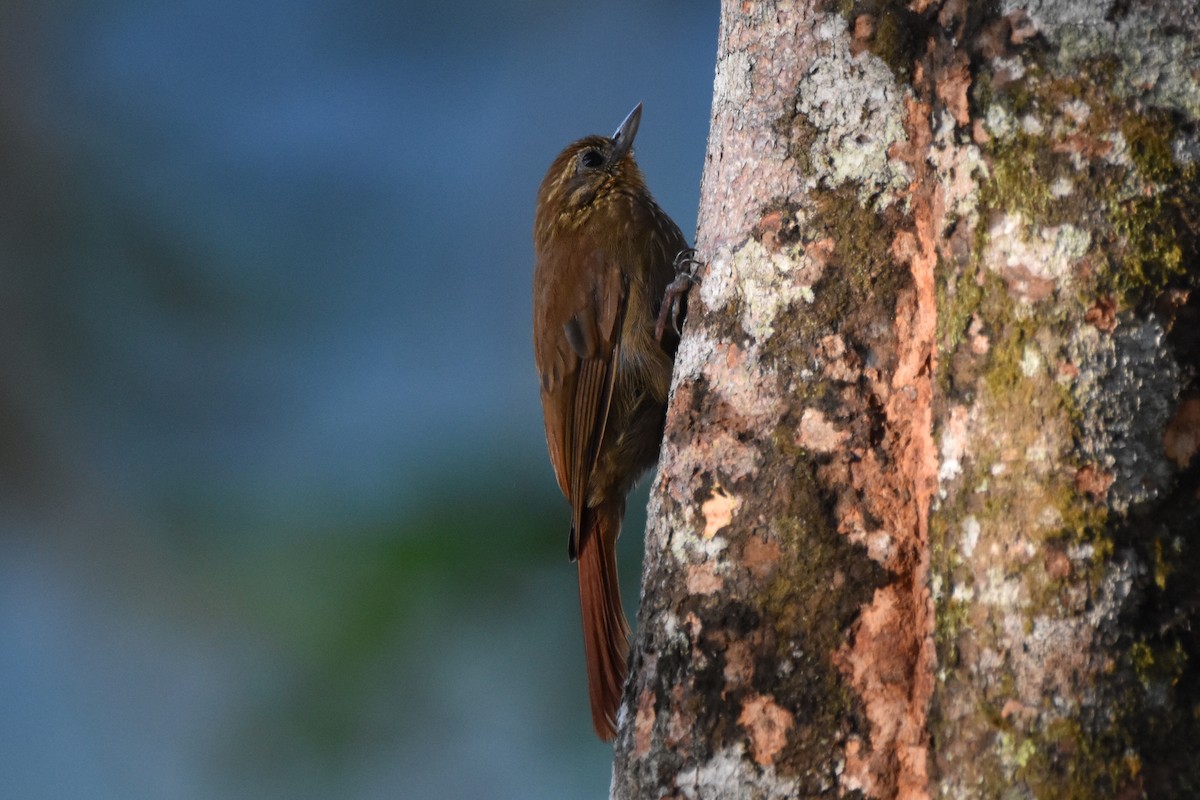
687 267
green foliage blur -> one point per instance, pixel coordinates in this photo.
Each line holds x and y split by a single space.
276 517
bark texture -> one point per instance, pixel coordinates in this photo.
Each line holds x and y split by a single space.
926 518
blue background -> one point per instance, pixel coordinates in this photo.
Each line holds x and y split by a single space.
276 517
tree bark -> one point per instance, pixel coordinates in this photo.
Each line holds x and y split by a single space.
926 520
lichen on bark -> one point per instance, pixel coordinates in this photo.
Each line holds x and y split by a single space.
1060 380
750 588
920 525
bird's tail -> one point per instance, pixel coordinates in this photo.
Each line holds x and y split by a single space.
605 632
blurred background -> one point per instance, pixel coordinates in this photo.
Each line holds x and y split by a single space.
276 516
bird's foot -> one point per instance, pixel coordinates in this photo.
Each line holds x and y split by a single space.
687 268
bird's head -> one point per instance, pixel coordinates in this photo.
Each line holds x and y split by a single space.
587 175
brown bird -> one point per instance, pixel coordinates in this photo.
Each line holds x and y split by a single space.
605 255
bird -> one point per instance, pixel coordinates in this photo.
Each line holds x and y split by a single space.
604 257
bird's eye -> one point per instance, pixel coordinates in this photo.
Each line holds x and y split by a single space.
591 159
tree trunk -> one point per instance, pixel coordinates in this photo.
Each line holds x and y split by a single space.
927 520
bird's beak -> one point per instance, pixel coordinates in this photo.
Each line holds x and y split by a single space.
623 138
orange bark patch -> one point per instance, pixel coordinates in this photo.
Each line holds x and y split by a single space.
679 731
980 343
952 85
820 251
768 724
1023 28
643 724
768 229
864 32
1094 481
839 363
1102 314
718 511
739 662
1023 284
880 664
703 579
819 434
1181 439
1087 146
761 557
979 133
864 27
1057 564
891 658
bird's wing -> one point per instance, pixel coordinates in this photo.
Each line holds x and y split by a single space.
578 307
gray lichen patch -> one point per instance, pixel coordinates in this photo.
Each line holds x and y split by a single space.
1127 388
960 169
725 774
765 282
1158 61
736 377
1034 262
1059 645
1052 17
855 110
1000 122
1186 149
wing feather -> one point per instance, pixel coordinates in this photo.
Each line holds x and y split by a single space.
578 311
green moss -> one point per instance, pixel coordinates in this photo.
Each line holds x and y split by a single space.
1147 236
808 609
797 130
957 299
952 618
1158 663
1069 762
1149 209
860 274
1146 210
861 270
1142 658
1008 398
862 243
1016 750
1152 225
1162 567
1141 215
896 39
899 33
1023 168
1012 397
1148 136
1004 378
1021 174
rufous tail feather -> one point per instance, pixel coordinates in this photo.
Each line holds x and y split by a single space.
605 632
